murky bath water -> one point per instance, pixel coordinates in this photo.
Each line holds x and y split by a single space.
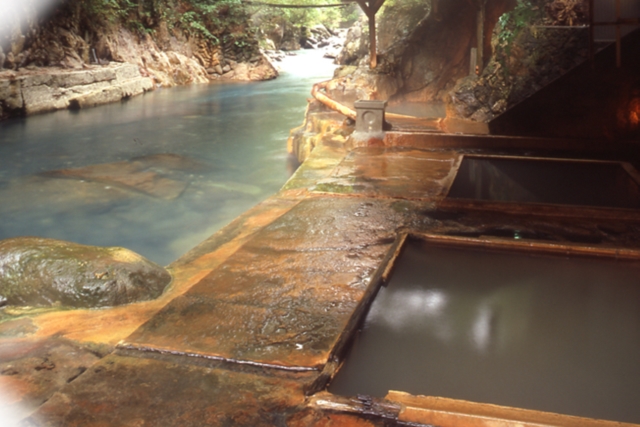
546 333
228 152
556 182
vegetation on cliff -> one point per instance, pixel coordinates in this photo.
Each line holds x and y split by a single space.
231 27
216 22
80 28
528 52
425 51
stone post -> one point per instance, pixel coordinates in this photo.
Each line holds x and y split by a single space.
370 115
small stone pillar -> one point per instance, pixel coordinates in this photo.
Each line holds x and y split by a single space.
370 115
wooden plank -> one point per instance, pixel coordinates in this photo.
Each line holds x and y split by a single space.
370 9
442 411
372 41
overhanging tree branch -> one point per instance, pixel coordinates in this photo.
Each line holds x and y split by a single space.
296 6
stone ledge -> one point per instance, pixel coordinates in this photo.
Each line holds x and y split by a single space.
113 93
37 92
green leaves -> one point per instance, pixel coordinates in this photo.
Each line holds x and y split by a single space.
510 24
193 25
308 17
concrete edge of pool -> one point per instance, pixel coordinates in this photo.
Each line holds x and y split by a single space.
284 284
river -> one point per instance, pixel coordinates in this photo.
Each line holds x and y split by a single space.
174 165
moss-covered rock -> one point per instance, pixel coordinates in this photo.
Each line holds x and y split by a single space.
42 272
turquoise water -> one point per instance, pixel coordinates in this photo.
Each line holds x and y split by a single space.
227 146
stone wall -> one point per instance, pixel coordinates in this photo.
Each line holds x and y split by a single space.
321 127
39 90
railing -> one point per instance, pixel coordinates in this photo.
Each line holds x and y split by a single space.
612 14
332 104
398 119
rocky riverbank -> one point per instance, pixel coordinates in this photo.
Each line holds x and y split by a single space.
39 90
79 56
33 89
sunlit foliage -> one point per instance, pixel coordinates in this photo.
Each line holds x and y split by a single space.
329 16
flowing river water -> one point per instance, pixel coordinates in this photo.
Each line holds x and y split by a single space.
158 173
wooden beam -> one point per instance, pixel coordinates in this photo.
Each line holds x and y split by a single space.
370 8
364 6
618 37
373 60
591 33
480 36
377 4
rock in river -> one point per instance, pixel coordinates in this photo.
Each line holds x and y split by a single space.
42 272
152 175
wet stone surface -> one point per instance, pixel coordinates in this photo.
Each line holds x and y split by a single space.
31 371
317 165
310 418
286 296
127 391
391 172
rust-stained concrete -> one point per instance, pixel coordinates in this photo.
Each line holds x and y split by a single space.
134 391
259 315
392 172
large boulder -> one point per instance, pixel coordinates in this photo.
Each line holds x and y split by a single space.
356 44
40 272
290 39
351 83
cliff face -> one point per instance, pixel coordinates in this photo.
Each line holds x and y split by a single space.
172 42
425 50
529 50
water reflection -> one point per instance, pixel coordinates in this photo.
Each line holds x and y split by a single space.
547 333
558 182
237 131
410 309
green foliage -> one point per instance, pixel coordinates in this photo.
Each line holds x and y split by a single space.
212 18
510 24
208 19
510 28
407 4
216 21
192 24
332 17
349 14
109 9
